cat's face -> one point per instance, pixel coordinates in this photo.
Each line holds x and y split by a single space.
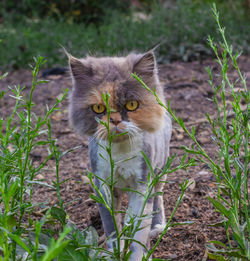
134 110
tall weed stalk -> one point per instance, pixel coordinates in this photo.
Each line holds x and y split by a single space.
230 163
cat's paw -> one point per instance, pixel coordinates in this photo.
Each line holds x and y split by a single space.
137 257
157 229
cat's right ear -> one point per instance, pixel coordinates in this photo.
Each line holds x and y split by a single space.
81 71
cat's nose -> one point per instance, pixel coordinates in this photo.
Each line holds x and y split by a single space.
114 121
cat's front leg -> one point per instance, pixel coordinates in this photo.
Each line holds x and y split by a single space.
106 217
136 202
159 219
107 220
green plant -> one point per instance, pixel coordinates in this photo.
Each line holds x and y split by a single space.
63 10
231 165
20 134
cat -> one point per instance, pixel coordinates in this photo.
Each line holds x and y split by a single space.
136 113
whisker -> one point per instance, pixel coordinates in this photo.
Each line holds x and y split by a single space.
130 141
100 135
97 135
133 132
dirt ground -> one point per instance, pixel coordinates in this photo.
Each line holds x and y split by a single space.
187 89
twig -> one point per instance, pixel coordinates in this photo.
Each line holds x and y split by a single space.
204 120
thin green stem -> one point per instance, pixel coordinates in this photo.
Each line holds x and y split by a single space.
111 162
227 48
151 251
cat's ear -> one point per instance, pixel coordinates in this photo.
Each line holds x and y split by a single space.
145 65
80 69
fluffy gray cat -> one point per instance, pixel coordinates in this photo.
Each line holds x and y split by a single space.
135 112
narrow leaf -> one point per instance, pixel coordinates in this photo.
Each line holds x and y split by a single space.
59 214
217 243
96 198
148 163
18 240
219 206
217 257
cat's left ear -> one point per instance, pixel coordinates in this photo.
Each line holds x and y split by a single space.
145 65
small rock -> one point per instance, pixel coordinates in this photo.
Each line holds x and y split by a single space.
39 177
83 165
179 136
193 184
85 179
204 140
203 172
57 116
173 256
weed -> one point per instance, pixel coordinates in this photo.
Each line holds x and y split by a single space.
20 134
231 166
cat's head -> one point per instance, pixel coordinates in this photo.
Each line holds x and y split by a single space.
134 109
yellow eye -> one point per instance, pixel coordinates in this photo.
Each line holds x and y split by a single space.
98 108
132 105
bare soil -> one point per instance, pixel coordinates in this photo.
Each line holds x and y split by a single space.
187 89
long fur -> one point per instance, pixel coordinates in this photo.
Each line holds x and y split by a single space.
147 128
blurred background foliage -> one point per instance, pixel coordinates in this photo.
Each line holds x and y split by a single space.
114 27
79 11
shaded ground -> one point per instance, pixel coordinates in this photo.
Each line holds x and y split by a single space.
188 91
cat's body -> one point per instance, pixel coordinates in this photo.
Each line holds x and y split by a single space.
134 111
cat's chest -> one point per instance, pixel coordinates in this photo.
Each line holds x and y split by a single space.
127 159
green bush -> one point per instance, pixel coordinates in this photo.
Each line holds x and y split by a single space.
181 27
18 138
86 11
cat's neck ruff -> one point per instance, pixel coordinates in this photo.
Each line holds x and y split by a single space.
127 159
123 149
